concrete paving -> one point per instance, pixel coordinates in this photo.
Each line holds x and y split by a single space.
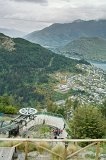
57 122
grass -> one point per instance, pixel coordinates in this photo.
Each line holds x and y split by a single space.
5 118
31 147
102 148
44 129
40 131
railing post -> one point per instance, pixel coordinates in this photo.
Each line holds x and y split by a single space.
12 144
76 144
26 150
65 150
97 151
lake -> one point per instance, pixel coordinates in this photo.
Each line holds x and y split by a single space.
99 65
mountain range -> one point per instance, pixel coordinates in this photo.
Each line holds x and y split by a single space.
58 35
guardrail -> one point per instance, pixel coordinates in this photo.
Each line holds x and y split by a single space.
93 142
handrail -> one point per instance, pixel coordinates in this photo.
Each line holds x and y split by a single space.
52 140
65 157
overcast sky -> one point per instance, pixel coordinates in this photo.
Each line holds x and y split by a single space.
30 15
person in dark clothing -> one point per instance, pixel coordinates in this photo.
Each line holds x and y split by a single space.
44 121
55 137
64 126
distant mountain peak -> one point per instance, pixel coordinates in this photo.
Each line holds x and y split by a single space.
58 35
78 21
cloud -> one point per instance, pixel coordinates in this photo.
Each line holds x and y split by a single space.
34 1
41 13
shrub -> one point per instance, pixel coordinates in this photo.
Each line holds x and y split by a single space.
88 122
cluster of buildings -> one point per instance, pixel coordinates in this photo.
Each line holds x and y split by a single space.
88 87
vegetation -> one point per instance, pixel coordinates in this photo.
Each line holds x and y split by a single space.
90 48
51 107
58 95
103 108
55 151
41 146
59 149
25 80
7 105
88 122
45 129
24 66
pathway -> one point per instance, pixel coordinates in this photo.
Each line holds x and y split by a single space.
57 122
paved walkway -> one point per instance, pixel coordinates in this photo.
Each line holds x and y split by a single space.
51 120
57 122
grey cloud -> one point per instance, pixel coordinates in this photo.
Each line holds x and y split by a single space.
31 16
34 1
84 13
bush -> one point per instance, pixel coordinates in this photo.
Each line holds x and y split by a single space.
10 110
7 105
88 122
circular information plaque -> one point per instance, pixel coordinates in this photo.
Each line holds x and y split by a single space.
28 111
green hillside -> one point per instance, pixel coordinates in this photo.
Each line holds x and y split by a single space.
88 48
24 66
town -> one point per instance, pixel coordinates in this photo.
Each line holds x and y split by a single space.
88 87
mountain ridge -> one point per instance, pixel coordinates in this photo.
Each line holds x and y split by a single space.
58 35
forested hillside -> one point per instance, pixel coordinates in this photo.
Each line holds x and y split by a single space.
92 48
24 65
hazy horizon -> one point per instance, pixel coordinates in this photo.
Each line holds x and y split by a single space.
45 26
31 15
